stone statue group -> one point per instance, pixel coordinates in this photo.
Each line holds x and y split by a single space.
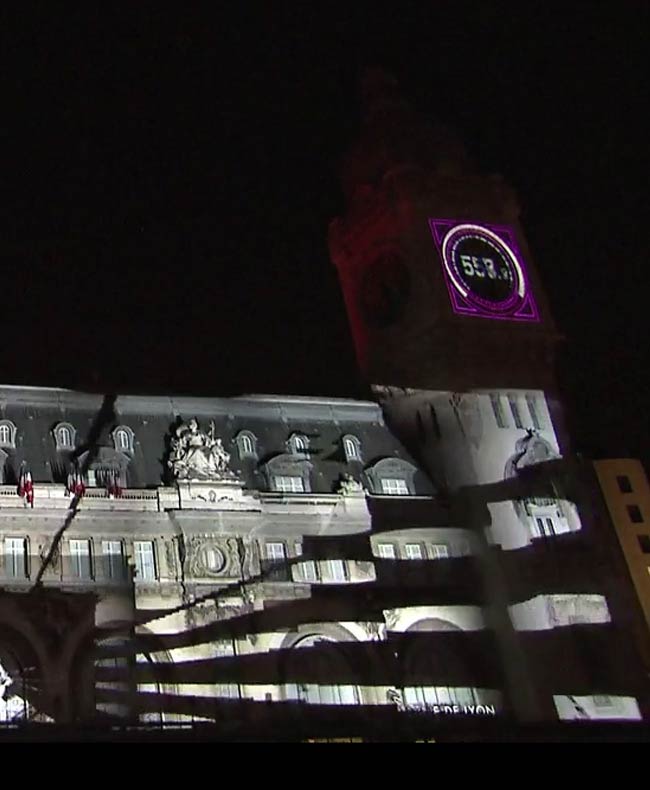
196 455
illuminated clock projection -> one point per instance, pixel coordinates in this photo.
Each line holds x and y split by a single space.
484 270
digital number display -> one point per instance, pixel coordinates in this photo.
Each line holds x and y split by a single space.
485 273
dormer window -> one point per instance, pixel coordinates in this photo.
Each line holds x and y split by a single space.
394 486
7 433
246 444
392 477
298 444
123 438
351 448
64 436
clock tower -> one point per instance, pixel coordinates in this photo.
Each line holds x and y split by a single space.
453 332
439 282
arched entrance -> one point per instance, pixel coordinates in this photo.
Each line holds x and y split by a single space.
318 673
21 694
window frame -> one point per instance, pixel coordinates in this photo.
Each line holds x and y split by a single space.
408 551
137 555
268 554
542 522
121 574
386 482
497 410
392 555
635 514
126 431
332 575
10 441
351 448
531 403
514 410
278 487
24 574
624 484
77 559
436 554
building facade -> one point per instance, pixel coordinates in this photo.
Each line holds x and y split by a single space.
424 564
625 489
454 334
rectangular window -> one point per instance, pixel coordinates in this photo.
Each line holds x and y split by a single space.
336 570
634 513
514 408
498 411
532 408
276 551
307 570
624 485
275 566
545 527
386 551
114 567
644 543
80 567
394 486
439 551
145 561
413 551
289 484
15 558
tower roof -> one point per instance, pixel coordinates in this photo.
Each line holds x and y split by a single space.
393 135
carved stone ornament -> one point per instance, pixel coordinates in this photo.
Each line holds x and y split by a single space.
348 486
376 631
196 455
206 558
170 556
391 616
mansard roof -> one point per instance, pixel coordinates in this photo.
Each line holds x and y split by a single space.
35 411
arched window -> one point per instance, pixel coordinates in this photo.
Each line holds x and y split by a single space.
298 444
351 448
7 434
392 477
64 436
246 444
329 682
123 438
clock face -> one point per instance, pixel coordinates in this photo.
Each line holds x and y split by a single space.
484 270
385 288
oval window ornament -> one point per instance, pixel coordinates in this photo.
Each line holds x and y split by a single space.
484 270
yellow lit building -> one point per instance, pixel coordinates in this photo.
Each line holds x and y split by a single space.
627 493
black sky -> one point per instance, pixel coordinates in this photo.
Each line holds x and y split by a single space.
168 177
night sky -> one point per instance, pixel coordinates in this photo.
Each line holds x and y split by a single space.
168 177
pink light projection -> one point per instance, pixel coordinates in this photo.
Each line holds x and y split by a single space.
484 270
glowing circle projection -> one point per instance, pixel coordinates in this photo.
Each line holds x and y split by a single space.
484 270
